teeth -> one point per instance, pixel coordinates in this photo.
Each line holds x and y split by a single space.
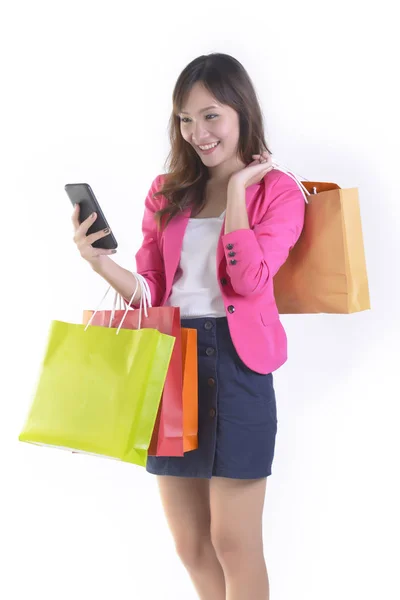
209 146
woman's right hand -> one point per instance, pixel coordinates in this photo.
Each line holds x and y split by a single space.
84 242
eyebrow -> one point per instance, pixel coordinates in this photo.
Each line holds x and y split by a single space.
202 110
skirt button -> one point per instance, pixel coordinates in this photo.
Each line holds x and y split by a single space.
212 413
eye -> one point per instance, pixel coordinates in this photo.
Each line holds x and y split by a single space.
209 117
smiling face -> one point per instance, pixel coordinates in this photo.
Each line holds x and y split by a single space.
212 129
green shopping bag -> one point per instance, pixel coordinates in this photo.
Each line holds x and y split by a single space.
99 390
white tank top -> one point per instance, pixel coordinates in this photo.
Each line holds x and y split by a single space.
195 289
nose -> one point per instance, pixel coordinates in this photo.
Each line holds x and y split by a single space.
199 133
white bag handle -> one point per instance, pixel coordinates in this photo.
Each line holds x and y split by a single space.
145 299
145 302
295 178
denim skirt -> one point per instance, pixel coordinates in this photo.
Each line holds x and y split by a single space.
237 413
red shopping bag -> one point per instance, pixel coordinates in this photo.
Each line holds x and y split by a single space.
167 439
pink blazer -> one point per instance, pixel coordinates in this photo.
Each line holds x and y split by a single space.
247 260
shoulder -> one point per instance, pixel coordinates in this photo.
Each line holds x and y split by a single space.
158 202
279 200
281 189
159 180
157 183
276 182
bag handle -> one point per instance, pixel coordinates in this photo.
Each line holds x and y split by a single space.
145 302
295 178
145 299
117 299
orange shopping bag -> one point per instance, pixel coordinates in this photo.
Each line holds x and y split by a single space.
326 270
190 395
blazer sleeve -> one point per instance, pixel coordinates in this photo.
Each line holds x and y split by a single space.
261 251
149 261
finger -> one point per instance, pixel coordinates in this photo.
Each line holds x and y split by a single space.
89 253
113 251
254 163
259 164
96 252
261 158
103 252
263 154
75 216
93 237
85 225
266 160
266 171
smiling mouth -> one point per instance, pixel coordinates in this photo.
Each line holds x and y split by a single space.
208 147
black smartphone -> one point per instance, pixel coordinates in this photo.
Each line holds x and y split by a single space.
82 194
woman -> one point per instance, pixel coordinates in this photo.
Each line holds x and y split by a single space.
217 227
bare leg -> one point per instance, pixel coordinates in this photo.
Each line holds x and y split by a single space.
236 531
186 503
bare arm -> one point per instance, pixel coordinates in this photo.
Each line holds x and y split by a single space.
122 280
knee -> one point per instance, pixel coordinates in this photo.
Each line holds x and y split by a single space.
225 544
232 549
192 550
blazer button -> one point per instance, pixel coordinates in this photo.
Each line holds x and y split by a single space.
231 253
223 281
230 246
233 262
231 309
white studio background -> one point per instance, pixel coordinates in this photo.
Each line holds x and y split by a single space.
86 96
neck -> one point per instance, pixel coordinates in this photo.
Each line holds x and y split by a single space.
223 172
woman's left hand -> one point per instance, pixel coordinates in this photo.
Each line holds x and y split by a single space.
253 172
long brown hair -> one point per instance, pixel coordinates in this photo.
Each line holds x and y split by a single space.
227 80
